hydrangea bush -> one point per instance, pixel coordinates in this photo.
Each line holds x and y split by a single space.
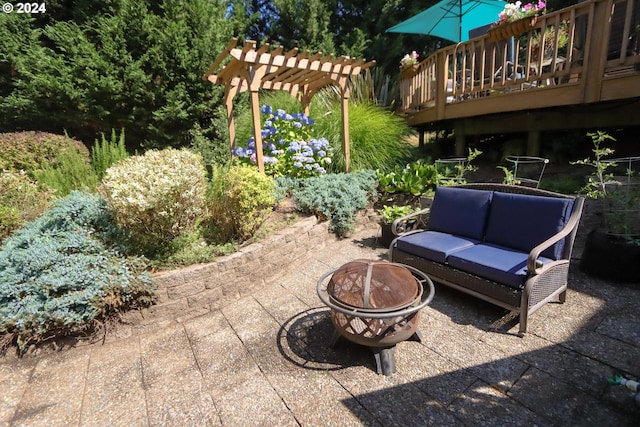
156 197
288 148
61 273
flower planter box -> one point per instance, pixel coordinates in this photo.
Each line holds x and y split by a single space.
408 72
511 29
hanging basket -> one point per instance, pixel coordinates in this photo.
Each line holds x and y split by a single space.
511 29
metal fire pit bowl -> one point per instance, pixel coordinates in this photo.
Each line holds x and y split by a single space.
376 304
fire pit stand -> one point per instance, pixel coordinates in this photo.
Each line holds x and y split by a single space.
376 304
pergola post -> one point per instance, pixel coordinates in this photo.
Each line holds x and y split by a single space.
346 148
229 93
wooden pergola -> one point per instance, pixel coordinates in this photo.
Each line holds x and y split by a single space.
301 74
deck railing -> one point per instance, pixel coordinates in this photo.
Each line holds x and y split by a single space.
582 47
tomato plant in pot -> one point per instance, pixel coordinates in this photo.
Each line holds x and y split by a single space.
612 249
393 213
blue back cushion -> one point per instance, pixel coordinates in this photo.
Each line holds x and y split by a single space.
460 211
522 222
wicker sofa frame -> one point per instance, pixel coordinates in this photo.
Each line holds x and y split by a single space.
543 284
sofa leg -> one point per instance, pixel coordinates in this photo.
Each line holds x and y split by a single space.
523 323
562 297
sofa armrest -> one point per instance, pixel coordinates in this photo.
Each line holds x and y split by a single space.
397 222
532 264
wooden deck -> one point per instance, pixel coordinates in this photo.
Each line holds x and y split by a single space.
484 86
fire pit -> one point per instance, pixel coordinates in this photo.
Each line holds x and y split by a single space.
376 304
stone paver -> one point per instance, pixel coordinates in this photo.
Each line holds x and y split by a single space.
265 358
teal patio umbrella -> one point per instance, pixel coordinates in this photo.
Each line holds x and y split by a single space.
452 19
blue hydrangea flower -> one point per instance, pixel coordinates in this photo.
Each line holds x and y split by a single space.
266 109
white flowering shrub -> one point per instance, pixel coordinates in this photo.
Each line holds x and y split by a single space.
156 197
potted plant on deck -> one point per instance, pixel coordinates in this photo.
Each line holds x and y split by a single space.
392 213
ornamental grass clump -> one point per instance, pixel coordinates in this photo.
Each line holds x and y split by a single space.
62 274
156 197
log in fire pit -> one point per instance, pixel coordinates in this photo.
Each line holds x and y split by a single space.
376 304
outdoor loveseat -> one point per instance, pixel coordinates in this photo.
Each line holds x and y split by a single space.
508 245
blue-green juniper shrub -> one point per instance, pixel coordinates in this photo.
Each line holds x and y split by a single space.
337 197
63 274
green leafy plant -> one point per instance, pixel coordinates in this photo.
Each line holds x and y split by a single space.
72 172
30 151
392 212
21 200
596 184
509 177
337 197
62 273
240 199
107 152
620 201
416 178
156 197
447 175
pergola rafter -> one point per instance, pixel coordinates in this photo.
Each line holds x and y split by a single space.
302 74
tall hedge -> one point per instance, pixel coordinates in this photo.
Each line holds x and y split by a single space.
129 64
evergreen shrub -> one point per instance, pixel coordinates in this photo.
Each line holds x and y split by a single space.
242 198
62 273
21 200
30 151
156 197
337 197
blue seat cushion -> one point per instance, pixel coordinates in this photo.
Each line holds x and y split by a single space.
460 211
433 245
499 264
523 222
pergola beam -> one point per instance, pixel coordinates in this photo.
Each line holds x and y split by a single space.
301 74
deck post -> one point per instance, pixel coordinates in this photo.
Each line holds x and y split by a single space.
533 142
461 140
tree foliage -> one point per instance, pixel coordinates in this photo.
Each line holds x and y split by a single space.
127 64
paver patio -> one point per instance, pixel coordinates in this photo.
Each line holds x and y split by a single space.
265 359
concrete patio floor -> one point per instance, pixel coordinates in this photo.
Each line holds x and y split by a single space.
266 360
